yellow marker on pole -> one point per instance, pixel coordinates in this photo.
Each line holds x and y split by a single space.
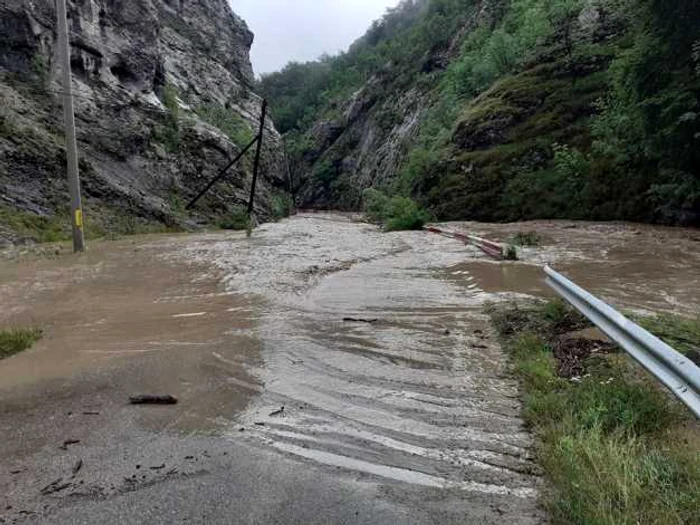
79 218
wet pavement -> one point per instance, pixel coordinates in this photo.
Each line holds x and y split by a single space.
327 373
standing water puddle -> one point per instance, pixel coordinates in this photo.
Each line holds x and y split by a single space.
495 277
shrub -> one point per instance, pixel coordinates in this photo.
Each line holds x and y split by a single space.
419 163
677 199
531 238
510 253
570 163
405 214
41 71
168 133
170 100
282 205
394 213
229 122
238 220
375 205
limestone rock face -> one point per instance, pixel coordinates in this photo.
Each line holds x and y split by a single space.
369 138
163 98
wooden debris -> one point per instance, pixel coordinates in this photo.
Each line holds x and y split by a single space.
152 400
68 442
357 320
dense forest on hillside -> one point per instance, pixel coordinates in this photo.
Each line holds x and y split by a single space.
506 110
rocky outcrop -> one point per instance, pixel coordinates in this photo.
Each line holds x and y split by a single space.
364 147
163 98
370 134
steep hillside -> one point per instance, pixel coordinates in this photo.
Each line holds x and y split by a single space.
506 110
163 96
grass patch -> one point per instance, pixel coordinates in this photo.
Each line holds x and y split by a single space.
37 227
111 223
615 447
101 222
17 340
618 478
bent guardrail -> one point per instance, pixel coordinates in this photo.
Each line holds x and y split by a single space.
678 373
490 248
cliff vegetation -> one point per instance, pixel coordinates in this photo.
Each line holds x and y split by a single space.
503 110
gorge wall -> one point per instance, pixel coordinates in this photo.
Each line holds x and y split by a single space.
164 97
503 110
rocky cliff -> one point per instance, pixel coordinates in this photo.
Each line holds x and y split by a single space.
362 138
163 98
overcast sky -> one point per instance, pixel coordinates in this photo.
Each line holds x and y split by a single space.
302 30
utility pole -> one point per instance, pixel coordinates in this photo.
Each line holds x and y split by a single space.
71 144
256 163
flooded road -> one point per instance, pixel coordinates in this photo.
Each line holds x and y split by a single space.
326 372
417 394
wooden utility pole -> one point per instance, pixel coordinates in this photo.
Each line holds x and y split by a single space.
256 163
69 117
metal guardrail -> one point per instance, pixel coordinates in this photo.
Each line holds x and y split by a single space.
491 248
678 373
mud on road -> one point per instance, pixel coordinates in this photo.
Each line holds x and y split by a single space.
293 408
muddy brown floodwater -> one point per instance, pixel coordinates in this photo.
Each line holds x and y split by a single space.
123 312
638 267
265 342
